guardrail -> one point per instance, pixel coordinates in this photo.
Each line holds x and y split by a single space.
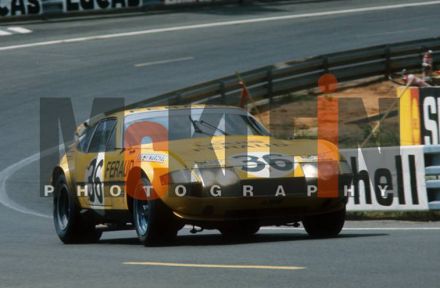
274 80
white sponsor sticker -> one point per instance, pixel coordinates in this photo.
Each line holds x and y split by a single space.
158 158
392 178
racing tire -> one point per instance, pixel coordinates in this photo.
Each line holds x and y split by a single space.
325 225
70 226
239 231
154 222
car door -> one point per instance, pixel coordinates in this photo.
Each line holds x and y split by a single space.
90 164
115 169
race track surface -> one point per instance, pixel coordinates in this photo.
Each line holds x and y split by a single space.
142 55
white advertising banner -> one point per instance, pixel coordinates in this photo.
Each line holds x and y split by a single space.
20 7
387 179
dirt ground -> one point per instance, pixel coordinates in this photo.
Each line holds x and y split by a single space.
360 108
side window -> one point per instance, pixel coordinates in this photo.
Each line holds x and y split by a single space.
102 134
111 143
84 140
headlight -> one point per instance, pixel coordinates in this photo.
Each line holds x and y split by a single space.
220 176
208 176
180 177
328 169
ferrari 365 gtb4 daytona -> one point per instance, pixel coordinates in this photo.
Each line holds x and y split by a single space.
214 167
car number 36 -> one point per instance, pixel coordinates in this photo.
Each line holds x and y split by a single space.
263 164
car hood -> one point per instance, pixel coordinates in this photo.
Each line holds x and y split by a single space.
248 153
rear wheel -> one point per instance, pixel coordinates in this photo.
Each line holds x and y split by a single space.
154 222
70 226
325 225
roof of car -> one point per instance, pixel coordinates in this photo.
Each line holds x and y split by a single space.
134 111
177 107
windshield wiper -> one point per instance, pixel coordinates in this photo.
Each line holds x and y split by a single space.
213 127
196 126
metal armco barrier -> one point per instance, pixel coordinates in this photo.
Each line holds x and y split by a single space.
432 174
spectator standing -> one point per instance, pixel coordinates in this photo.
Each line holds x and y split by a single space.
427 64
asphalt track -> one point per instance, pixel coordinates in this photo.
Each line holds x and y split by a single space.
140 65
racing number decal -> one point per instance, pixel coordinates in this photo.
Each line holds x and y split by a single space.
265 165
279 162
250 163
94 181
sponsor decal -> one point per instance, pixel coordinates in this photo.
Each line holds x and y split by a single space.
393 179
409 116
35 7
419 116
81 5
158 158
430 115
118 169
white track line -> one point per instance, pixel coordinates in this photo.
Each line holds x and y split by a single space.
365 228
220 24
18 29
4 33
274 228
8 172
164 61
11 170
393 228
217 266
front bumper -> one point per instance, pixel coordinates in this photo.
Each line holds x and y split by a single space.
266 204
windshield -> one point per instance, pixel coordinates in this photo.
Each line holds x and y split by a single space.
183 124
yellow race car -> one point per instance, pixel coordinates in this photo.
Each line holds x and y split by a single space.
213 167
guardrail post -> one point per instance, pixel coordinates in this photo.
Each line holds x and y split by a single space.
222 92
325 64
177 99
387 60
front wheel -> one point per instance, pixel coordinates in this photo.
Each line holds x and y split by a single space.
325 225
70 226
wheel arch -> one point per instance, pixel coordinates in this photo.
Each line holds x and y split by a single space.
57 172
60 171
